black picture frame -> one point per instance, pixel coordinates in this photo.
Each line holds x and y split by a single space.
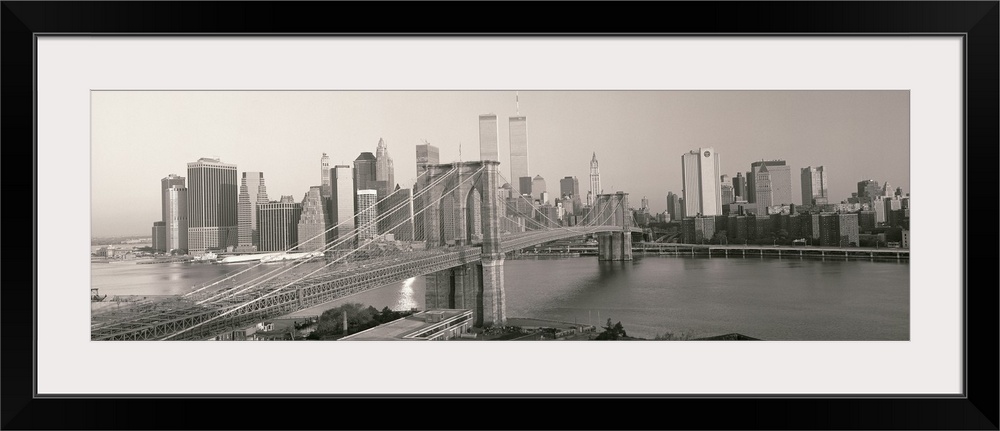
976 21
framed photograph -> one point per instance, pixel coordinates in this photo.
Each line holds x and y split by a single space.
530 194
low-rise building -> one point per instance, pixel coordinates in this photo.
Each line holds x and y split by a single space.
431 325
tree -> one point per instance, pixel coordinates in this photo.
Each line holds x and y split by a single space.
719 237
612 332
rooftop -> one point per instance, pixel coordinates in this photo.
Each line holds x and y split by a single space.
406 328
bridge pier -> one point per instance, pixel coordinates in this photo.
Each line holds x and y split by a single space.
614 246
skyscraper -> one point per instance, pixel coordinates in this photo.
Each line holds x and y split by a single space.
177 219
700 175
740 186
166 184
524 185
518 149
313 222
212 205
726 190
595 181
673 206
781 181
384 171
537 187
569 186
764 196
278 224
342 206
489 147
385 183
324 175
427 154
367 214
364 178
814 186
867 190
253 192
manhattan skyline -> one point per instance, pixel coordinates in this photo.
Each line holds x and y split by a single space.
140 137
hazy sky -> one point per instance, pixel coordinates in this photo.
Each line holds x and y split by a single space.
138 137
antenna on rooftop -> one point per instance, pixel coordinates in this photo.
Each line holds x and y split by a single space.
517 105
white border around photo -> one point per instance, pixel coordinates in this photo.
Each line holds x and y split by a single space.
931 362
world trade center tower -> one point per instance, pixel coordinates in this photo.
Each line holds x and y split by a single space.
518 153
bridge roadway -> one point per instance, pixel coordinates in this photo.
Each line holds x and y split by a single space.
186 319
756 249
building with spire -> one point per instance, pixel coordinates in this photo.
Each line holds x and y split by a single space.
518 150
764 196
326 187
384 172
253 192
780 175
595 181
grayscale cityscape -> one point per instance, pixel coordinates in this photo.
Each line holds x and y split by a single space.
500 215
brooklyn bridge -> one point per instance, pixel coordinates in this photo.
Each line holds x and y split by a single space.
463 229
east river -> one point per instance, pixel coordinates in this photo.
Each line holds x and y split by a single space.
769 298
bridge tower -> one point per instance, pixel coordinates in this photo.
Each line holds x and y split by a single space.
616 245
468 217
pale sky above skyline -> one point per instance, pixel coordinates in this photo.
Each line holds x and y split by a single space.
139 137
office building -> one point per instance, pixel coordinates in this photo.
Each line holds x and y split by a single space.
159 236
176 223
253 192
489 143
326 186
367 215
385 183
278 224
398 217
518 149
740 186
313 222
726 190
384 172
867 191
814 186
538 187
427 154
569 186
780 176
212 197
166 183
763 195
595 181
700 174
674 206
524 186
342 206
364 178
